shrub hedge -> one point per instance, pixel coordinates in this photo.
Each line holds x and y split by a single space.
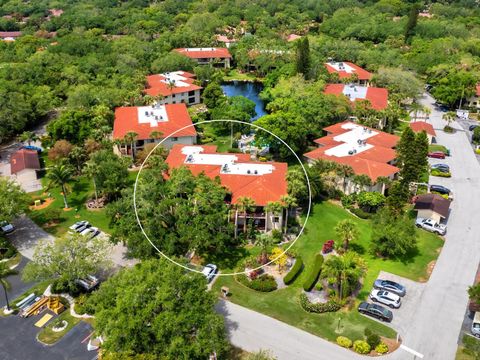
294 271
360 213
381 348
344 342
361 347
264 283
330 306
373 340
435 172
314 273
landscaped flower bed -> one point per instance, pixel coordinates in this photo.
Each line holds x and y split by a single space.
330 306
263 283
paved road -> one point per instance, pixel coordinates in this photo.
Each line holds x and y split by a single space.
18 286
433 331
27 235
253 331
18 341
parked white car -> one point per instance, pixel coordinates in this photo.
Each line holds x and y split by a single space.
385 297
209 271
431 225
6 227
89 231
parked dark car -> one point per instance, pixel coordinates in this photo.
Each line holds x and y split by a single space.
391 286
472 127
437 155
441 167
440 189
376 311
31 147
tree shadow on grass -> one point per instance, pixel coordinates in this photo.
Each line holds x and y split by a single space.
80 194
359 249
229 259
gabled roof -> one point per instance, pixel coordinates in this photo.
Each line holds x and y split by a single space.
345 69
432 202
204 53
24 159
133 119
262 188
373 149
419 126
378 97
166 84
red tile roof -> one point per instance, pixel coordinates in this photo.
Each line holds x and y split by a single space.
477 90
293 37
126 120
419 126
372 162
362 73
156 85
261 188
10 34
24 159
378 97
224 39
204 53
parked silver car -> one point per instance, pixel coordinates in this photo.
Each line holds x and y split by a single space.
382 296
431 225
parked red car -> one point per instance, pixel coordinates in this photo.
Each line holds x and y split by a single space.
328 246
437 155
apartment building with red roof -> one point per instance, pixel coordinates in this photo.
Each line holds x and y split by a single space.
367 151
225 40
474 100
378 97
174 88
348 70
263 182
152 124
419 126
216 56
24 167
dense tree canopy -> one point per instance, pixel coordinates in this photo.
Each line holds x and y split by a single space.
158 309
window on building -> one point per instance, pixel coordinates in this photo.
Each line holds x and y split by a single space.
174 138
191 93
191 100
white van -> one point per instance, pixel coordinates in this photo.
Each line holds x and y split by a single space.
476 325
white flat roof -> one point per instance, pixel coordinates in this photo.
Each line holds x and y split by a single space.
228 162
353 141
201 49
176 78
354 92
152 115
341 66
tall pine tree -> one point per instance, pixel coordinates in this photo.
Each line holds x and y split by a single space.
303 58
407 157
421 153
411 23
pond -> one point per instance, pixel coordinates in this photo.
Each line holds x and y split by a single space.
251 90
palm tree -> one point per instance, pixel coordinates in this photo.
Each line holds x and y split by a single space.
347 231
245 204
156 135
344 171
289 202
28 136
449 117
273 207
5 271
347 269
427 111
264 241
130 138
415 107
60 175
91 170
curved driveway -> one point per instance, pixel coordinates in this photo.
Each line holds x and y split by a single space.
434 329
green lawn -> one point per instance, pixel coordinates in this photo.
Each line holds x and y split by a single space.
284 304
234 74
437 147
81 191
48 336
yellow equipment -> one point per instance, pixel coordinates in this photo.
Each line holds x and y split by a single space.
51 302
43 320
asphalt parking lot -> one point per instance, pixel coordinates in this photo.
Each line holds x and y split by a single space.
404 315
18 341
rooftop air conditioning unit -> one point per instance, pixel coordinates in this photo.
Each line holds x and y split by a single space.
189 158
161 117
255 172
151 113
248 171
146 113
156 117
350 152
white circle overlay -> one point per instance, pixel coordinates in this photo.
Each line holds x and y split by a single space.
231 121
